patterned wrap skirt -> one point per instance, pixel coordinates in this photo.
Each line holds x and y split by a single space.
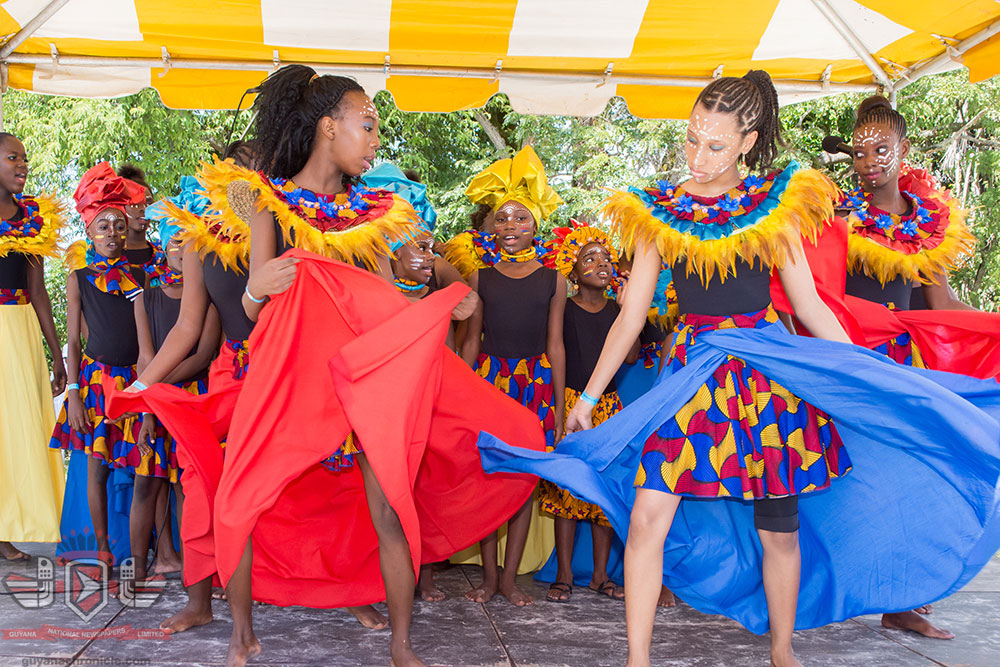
160 460
901 348
106 439
560 502
527 381
742 435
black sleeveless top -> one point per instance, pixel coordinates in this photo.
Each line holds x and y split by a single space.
14 265
584 334
896 291
516 312
111 338
747 289
225 290
162 312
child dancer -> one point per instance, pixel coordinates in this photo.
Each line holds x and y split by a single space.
515 339
31 475
588 259
153 456
721 426
142 252
102 292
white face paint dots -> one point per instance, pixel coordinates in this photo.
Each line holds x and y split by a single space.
713 146
877 155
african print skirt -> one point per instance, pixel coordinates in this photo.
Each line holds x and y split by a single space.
527 381
344 456
160 457
742 434
105 438
560 502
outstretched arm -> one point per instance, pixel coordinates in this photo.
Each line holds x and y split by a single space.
798 282
43 310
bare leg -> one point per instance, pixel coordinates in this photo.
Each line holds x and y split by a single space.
369 617
782 564
396 565
565 532
517 536
140 520
601 582
243 644
652 514
491 575
429 592
198 610
167 558
10 552
97 500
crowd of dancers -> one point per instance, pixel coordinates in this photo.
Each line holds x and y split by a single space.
758 382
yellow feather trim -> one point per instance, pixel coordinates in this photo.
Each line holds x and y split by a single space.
885 264
805 206
75 256
46 242
211 234
461 253
366 241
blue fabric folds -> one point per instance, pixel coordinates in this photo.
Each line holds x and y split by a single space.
914 521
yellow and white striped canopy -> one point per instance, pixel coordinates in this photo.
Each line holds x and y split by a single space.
548 56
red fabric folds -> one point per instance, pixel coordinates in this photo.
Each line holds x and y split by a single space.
342 350
956 341
199 424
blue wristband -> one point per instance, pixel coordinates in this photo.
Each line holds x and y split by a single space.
139 385
72 386
252 297
588 399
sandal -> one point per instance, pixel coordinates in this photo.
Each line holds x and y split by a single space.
559 587
608 588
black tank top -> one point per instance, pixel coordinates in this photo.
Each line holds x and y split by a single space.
516 312
747 289
896 291
225 290
584 334
14 271
162 312
111 338
917 299
138 256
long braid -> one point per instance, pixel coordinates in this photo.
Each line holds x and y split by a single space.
754 101
290 104
877 109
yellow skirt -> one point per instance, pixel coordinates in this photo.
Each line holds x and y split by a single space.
32 476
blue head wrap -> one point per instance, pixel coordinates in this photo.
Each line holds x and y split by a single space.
191 198
388 176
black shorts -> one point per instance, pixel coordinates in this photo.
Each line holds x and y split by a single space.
776 515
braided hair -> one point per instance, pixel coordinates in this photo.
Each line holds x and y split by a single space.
131 172
290 104
754 100
242 152
877 109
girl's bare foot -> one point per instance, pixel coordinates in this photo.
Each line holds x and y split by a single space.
609 588
369 617
403 655
924 609
784 657
516 596
167 563
485 591
242 649
667 598
10 552
914 622
429 592
187 618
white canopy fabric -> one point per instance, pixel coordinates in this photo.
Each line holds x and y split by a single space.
548 56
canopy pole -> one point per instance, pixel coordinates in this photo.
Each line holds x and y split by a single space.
951 58
31 26
841 26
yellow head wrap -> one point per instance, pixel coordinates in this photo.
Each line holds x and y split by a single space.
519 179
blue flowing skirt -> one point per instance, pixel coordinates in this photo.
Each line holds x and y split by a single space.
916 519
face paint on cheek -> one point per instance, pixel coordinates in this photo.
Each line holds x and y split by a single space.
588 272
98 237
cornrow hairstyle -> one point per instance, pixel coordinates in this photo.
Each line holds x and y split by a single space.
877 109
754 100
290 103
131 172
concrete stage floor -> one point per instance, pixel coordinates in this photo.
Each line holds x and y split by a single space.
589 630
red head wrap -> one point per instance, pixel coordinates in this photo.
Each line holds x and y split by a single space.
101 188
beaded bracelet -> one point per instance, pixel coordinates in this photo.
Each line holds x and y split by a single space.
252 297
588 399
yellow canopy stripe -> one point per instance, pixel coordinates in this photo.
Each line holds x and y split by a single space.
806 205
